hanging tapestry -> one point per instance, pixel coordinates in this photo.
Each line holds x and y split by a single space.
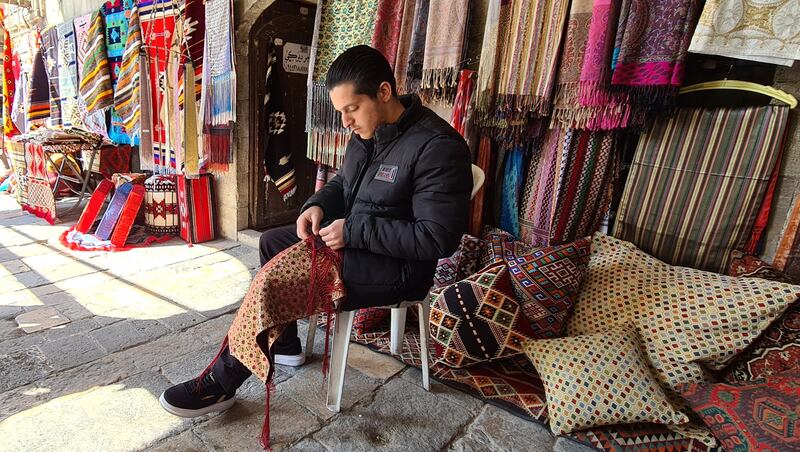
50 54
116 13
444 49
39 94
566 108
67 72
157 20
9 85
712 167
404 45
651 48
416 53
40 197
278 152
343 24
127 94
95 82
386 36
512 184
219 85
750 30
92 121
301 281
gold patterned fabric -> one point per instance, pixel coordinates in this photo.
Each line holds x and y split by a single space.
758 30
598 379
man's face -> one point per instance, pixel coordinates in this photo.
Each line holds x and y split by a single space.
360 113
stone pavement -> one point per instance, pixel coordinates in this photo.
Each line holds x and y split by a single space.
108 332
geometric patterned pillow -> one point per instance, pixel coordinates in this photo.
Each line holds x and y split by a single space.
760 415
477 319
466 261
547 281
598 379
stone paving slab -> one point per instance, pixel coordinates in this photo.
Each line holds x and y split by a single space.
40 319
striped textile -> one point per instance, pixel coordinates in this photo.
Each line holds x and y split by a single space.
697 181
116 14
67 72
39 91
95 83
126 97
50 53
196 208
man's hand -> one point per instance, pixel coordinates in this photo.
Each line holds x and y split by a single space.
333 235
310 218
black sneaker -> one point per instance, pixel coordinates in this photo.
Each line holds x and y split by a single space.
196 397
289 355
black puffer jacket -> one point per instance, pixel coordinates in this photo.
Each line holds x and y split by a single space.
405 204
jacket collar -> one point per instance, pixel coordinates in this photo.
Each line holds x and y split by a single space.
412 113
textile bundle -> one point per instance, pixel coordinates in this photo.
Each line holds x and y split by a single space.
218 104
712 167
116 14
444 48
50 54
404 45
95 79
39 94
127 96
67 73
278 151
342 24
757 31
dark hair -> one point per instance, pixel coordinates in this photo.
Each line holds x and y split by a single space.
366 68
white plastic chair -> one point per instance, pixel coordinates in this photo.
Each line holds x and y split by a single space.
343 328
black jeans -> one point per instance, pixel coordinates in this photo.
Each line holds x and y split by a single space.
228 371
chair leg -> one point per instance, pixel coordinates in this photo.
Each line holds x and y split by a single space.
312 331
424 337
342 328
398 330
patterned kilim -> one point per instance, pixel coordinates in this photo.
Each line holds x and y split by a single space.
38 90
67 72
116 13
753 416
95 78
712 168
41 201
126 96
598 379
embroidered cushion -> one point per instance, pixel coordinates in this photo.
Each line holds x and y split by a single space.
685 317
760 415
477 319
598 379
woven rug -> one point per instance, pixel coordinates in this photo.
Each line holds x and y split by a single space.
41 201
50 53
38 91
67 72
127 94
116 13
95 77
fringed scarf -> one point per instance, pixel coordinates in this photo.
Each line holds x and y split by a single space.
50 54
512 185
386 36
416 53
95 83
116 13
127 96
651 49
404 45
492 48
218 105
278 152
463 108
444 49
191 132
39 94
566 108
342 24
9 85
301 281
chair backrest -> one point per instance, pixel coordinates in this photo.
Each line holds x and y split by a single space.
478 177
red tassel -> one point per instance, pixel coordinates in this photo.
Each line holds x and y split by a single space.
270 388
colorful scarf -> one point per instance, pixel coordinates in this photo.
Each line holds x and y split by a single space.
386 36
278 151
712 167
416 53
95 83
404 45
342 24
219 85
39 94
127 95
757 31
462 106
116 14
565 102
651 49
512 184
444 48
9 85
67 73
50 54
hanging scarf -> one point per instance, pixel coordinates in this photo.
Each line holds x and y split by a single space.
127 94
538 202
512 184
39 94
9 85
492 48
484 162
444 48
190 124
416 54
95 84
462 106
50 55
171 116
388 20
404 45
651 49
219 85
342 24
147 157
749 31
278 151
116 13
565 102
96 121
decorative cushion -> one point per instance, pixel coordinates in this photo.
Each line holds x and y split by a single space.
547 281
598 379
501 246
161 205
477 319
760 415
685 317
466 261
